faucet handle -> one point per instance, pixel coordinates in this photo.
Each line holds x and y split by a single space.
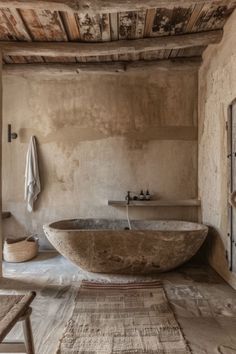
128 195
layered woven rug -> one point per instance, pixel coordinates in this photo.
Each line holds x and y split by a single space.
122 318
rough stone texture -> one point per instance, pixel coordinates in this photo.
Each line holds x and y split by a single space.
100 136
217 90
103 246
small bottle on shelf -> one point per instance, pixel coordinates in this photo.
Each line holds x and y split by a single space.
141 195
147 196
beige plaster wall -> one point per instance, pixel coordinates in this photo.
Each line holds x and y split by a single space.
217 89
99 136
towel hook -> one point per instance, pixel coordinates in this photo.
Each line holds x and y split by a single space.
10 135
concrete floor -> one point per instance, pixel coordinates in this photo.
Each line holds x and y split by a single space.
204 304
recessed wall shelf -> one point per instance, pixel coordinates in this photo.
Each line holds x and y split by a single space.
6 214
157 203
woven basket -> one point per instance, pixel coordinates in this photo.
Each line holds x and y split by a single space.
20 250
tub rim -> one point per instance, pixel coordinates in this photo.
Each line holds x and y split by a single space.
202 227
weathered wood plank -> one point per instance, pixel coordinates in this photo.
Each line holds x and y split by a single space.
154 55
104 58
194 16
99 6
150 17
34 59
44 25
91 59
191 52
167 53
217 16
161 54
34 26
7 59
129 57
171 21
123 57
174 53
61 69
71 26
80 59
140 24
180 19
162 22
111 48
52 25
213 17
114 26
18 59
60 59
180 53
12 26
105 28
115 57
89 27
110 67
204 17
127 25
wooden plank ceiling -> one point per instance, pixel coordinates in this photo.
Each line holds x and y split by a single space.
39 25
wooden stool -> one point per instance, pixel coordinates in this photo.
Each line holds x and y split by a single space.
15 308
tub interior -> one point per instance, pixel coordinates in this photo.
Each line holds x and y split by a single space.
111 224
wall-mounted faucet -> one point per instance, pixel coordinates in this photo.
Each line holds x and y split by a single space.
10 135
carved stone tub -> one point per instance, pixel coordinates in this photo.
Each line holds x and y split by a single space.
104 246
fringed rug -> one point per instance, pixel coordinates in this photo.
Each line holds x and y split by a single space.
122 318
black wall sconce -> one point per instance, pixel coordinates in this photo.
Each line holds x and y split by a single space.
10 135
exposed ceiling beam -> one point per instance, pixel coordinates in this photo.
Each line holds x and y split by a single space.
107 68
100 6
111 48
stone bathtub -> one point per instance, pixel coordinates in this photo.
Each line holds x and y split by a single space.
105 246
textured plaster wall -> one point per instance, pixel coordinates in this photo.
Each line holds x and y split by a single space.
99 136
217 89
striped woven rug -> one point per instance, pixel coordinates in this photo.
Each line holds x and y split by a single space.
122 319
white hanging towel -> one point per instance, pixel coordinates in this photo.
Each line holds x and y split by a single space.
32 179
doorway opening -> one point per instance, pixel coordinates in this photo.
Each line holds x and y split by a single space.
231 252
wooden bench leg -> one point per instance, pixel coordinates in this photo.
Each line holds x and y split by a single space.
12 347
29 343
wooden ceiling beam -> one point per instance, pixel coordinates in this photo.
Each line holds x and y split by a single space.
107 68
110 48
100 6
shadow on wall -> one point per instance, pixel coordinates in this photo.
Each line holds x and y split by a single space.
215 250
212 249
201 255
41 167
10 225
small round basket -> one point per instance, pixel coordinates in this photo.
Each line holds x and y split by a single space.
20 250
